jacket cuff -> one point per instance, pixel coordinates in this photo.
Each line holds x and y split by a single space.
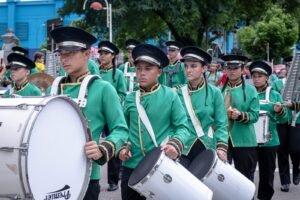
222 146
177 144
281 112
107 148
296 106
243 118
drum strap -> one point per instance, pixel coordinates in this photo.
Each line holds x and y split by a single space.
188 103
131 76
83 91
144 117
55 85
295 117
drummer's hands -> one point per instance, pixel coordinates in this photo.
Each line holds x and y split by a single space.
277 107
235 114
170 151
124 154
92 150
288 103
222 155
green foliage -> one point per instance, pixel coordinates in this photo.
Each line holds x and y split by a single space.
276 29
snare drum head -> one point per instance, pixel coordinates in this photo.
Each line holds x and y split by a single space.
57 165
145 166
202 163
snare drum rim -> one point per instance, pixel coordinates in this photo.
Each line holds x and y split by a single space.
213 165
43 103
151 172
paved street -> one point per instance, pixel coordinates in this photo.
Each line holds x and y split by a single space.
293 194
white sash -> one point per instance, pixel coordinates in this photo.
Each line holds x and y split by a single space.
195 121
83 91
295 117
144 117
131 76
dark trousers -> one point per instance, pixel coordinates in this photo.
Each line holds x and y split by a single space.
93 190
245 159
283 154
267 164
126 192
113 170
197 148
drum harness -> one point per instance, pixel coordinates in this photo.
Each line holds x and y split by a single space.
81 100
170 73
131 76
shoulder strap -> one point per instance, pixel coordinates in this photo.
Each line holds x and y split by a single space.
144 117
195 121
83 91
126 68
268 92
55 85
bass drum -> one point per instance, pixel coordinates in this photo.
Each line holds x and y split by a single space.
42 149
159 177
225 181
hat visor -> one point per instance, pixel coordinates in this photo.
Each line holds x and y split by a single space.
190 59
69 48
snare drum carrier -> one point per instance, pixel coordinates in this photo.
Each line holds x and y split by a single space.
263 135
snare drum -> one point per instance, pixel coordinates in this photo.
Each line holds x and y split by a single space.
262 128
42 149
226 182
159 177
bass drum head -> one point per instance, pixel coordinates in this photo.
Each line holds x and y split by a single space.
144 167
57 164
202 164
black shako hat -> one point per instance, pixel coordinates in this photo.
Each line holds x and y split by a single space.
288 59
234 61
108 47
196 54
17 60
174 45
260 67
131 43
20 50
72 39
150 54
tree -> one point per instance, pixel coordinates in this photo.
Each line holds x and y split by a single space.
276 29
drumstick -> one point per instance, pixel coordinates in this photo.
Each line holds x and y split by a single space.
269 102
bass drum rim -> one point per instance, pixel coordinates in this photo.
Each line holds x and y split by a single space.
27 136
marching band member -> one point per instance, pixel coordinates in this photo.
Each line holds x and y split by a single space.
156 104
128 67
108 52
173 74
92 67
204 106
284 132
266 153
213 74
108 71
242 113
21 51
20 67
102 102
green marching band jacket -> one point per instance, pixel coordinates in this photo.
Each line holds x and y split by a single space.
274 117
167 117
242 133
212 115
103 107
278 86
119 83
27 89
177 79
